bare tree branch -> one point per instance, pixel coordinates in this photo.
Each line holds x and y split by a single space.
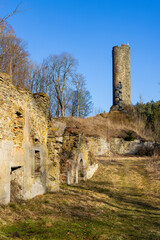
18 9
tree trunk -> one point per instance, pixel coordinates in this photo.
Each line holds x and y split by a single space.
77 109
62 111
10 68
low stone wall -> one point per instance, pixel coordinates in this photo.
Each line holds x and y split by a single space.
122 147
98 146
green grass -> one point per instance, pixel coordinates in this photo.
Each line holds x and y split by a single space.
121 201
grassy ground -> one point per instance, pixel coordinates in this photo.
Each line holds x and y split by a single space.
122 201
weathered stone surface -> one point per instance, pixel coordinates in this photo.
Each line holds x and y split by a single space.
91 170
16 184
54 144
98 146
120 146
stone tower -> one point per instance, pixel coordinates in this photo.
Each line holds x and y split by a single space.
121 76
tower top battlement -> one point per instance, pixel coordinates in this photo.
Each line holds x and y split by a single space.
122 45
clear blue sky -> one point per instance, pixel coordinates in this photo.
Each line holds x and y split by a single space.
88 29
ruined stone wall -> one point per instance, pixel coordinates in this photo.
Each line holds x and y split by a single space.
54 144
78 156
35 149
122 147
23 140
121 76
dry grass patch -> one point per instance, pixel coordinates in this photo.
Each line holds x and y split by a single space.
107 125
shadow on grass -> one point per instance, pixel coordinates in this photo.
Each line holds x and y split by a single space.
121 198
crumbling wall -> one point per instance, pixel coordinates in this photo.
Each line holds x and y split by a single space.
78 156
23 139
35 149
54 143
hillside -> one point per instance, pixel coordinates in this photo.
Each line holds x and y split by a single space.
112 124
121 201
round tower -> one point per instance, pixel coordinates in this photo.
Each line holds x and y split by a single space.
121 76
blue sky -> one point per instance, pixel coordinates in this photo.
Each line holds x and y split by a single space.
88 29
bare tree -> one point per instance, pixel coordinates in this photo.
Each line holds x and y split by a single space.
81 105
78 82
18 9
67 90
60 70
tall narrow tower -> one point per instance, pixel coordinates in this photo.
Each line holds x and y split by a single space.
121 76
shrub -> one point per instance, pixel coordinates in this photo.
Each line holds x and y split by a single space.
157 151
145 151
129 136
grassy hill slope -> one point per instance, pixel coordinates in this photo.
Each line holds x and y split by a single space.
121 201
108 125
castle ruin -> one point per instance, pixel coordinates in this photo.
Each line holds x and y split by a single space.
121 76
38 152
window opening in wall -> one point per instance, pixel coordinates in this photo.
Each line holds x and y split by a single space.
14 168
37 162
19 114
36 140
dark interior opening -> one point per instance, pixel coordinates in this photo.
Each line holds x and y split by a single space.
14 168
19 114
81 170
37 162
37 152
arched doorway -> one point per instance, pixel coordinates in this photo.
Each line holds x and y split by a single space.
80 169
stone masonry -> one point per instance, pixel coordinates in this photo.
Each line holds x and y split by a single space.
23 142
121 76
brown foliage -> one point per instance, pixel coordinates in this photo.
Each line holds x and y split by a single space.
107 125
13 58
